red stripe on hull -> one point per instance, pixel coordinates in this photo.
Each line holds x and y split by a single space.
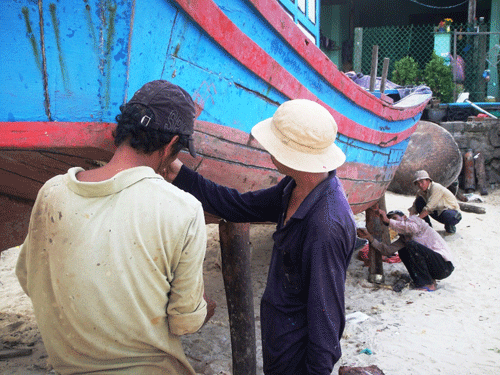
57 134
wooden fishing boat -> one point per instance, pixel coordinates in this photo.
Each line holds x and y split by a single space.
68 66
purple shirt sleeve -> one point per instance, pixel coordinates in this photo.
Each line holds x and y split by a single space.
256 206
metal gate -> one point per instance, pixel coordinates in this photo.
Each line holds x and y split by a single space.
475 63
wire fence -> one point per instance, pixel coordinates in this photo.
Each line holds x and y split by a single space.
469 43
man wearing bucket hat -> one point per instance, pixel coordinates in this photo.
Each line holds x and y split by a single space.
436 201
302 309
113 275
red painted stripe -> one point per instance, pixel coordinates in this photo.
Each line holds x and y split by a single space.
208 15
57 134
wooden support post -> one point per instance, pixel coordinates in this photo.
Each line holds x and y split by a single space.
471 16
481 64
236 272
469 175
373 74
358 49
385 69
375 226
454 66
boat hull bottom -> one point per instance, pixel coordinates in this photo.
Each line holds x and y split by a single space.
227 156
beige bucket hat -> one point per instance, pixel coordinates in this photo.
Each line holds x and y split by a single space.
421 175
301 135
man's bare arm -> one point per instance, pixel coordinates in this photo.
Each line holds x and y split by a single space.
171 171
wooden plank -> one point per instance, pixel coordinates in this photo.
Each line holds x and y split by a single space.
18 186
14 220
364 172
214 147
238 176
227 133
23 172
373 74
76 156
468 207
358 49
32 164
385 68
42 164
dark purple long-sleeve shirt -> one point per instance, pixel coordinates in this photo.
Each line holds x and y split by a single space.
302 309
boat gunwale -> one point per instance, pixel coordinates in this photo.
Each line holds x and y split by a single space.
225 27
273 13
325 67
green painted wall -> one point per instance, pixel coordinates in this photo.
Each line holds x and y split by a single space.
334 24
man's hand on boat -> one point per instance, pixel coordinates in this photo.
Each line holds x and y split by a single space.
170 172
383 215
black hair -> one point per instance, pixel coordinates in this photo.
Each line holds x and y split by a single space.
395 212
143 138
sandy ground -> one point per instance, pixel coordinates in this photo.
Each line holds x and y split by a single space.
454 330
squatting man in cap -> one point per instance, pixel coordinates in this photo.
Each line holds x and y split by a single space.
423 251
302 309
113 258
436 201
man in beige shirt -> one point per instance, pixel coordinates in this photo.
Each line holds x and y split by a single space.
423 251
436 201
113 258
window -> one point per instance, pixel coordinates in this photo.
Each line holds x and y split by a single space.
304 14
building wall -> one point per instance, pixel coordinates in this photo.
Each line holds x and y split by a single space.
334 24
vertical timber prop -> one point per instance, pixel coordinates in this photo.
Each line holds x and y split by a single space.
373 72
375 226
236 271
469 175
385 69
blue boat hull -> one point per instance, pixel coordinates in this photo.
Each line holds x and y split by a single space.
73 63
